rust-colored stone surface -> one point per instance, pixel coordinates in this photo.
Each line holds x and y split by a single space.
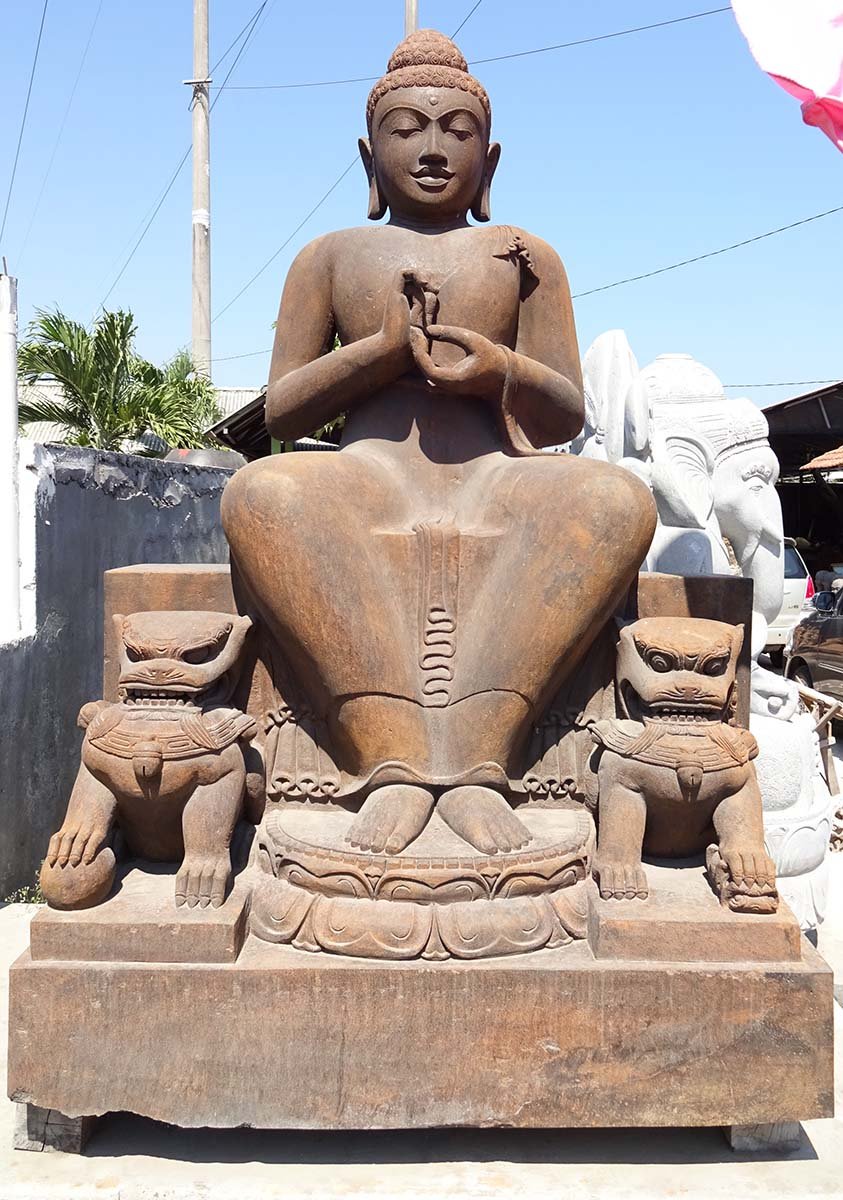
139 923
156 587
675 777
547 1040
168 770
425 592
683 921
726 598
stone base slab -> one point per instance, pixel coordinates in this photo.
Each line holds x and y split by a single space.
682 920
283 1039
141 923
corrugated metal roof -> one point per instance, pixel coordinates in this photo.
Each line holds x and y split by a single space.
229 399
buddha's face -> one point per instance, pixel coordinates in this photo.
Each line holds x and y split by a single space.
431 152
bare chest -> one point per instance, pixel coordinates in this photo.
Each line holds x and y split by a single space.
477 288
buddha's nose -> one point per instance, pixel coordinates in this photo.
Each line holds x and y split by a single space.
434 150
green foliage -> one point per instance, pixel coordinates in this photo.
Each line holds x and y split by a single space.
112 395
30 894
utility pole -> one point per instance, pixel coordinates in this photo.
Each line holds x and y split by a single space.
201 322
411 16
9 500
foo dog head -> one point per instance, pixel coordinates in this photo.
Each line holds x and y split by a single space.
678 669
179 656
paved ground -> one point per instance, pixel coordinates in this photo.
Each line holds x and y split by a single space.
131 1158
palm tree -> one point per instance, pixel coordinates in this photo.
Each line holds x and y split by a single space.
110 394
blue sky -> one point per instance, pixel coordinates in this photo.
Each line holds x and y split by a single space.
626 155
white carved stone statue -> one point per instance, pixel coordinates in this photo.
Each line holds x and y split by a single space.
712 472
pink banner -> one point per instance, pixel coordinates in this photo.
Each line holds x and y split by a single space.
799 43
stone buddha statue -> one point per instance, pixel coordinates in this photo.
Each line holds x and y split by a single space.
431 586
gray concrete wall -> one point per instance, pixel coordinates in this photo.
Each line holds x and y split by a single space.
83 511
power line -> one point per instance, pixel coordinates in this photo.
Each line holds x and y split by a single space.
783 383
603 37
315 208
710 254
466 19
71 98
23 119
288 239
247 30
774 384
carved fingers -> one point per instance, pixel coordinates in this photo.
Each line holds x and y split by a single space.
481 372
202 880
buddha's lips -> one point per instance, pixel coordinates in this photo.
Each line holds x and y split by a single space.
433 181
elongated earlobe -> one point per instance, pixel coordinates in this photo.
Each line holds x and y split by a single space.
377 204
481 207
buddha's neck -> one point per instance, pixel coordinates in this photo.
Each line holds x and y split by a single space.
419 225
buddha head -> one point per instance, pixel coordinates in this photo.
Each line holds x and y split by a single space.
428 156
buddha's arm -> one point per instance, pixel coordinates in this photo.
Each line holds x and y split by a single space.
548 404
309 386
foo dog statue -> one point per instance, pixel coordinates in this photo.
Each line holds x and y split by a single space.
673 775
169 765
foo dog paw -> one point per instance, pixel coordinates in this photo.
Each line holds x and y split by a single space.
619 880
484 819
391 818
744 880
202 880
77 842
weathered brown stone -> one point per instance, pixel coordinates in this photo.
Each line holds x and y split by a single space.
683 921
169 766
155 587
725 598
140 923
284 1039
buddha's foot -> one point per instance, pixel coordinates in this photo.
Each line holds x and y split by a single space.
391 818
484 819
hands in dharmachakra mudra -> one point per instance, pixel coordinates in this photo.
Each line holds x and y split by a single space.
430 587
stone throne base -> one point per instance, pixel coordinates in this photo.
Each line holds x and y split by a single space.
608 1031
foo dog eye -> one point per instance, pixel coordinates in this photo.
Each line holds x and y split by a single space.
661 662
133 655
197 656
715 666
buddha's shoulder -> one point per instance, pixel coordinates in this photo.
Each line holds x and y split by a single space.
518 240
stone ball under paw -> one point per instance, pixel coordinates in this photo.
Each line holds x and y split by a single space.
83 886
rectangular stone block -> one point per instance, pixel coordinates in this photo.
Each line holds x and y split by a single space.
152 587
140 923
683 921
283 1039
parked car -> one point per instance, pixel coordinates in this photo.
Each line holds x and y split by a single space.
814 651
798 590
